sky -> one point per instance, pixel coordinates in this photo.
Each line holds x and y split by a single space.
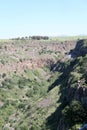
42 17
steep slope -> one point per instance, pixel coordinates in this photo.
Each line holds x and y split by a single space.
38 80
72 84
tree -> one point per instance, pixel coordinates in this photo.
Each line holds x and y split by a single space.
74 113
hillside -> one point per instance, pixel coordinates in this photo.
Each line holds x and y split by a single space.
39 79
72 82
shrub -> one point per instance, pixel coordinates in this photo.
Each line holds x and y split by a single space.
74 113
3 75
24 126
30 93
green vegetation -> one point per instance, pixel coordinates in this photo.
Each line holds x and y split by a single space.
74 113
73 86
41 86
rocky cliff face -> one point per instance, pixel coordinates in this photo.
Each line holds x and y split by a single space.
79 91
80 94
80 49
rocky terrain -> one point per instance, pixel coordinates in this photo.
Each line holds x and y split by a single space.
18 55
38 80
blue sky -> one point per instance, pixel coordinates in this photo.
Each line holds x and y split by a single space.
42 17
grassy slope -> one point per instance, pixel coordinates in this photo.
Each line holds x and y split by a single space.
24 100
